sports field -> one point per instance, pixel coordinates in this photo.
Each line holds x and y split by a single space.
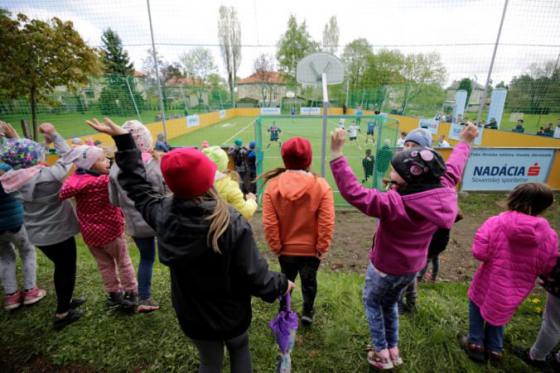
225 132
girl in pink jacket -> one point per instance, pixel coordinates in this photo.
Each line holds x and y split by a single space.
514 247
101 224
422 199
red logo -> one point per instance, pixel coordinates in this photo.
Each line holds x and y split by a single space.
534 170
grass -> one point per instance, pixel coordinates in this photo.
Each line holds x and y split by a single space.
226 131
108 341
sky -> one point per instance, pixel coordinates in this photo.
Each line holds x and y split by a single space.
462 31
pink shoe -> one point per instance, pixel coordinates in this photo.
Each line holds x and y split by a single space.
34 295
395 356
380 360
12 302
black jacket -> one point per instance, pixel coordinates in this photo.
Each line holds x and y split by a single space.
211 292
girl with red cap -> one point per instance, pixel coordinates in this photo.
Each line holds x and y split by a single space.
213 259
298 218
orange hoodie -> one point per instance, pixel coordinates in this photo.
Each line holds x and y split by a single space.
298 214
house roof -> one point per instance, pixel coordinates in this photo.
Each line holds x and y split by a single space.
177 81
268 77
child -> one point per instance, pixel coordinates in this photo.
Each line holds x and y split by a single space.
227 188
514 247
252 165
50 224
13 235
136 227
422 198
368 164
239 154
353 131
540 355
213 259
274 134
341 123
370 131
101 224
298 219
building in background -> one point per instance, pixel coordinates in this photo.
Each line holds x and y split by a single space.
266 87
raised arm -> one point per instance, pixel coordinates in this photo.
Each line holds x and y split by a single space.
61 168
459 156
132 177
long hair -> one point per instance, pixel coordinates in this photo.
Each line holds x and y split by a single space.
219 220
269 175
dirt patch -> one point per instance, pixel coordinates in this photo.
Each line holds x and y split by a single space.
354 231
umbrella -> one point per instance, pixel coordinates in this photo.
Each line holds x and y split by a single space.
284 327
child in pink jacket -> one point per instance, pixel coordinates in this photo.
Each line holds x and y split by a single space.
422 199
101 224
514 247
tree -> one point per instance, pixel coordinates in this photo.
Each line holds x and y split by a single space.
149 68
120 95
218 90
172 70
264 65
355 57
295 44
419 71
537 91
466 85
229 36
38 56
330 36
383 69
198 65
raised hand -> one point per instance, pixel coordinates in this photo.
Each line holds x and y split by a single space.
108 127
250 196
469 133
337 141
7 130
48 130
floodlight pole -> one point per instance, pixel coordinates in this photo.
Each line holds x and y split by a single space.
325 109
483 98
160 90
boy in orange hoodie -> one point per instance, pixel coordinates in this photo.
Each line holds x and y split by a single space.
298 218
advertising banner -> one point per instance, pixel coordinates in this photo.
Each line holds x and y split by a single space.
431 125
495 169
270 111
310 110
222 114
496 109
557 132
460 103
193 121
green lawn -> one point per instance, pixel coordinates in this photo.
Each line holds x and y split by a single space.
227 131
108 341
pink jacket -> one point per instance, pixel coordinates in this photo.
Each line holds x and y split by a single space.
514 249
406 222
100 222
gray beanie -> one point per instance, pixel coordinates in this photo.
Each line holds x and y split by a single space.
420 136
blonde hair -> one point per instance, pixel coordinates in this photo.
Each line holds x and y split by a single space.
219 220
269 175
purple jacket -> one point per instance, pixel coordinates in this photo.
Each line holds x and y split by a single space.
407 222
514 249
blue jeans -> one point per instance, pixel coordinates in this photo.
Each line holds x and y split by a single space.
147 248
482 333
381 294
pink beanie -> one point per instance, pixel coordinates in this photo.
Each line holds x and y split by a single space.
85 156
141 135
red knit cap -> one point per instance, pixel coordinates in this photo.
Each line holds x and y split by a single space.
297 153
188 172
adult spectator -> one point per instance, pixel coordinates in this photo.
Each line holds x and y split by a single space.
400 142
541 132
442 143
548 131
519 127
161 144
493 124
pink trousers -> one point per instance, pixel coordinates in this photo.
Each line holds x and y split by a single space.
115 266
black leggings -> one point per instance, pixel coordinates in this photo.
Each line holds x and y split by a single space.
63 255
306 267
211 354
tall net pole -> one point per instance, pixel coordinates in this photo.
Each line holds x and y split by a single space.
483 97
160 90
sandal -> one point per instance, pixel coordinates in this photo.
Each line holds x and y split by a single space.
395 357
147 305
375 359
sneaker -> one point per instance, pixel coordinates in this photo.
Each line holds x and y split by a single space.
114 299
395 357
34 295
307 318
523 354
76 302
130 300
495 356
380 360
147 305
72 315
14 301
475 352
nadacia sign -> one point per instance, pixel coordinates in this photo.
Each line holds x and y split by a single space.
500 169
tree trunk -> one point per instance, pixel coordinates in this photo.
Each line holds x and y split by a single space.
34 112
405 99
